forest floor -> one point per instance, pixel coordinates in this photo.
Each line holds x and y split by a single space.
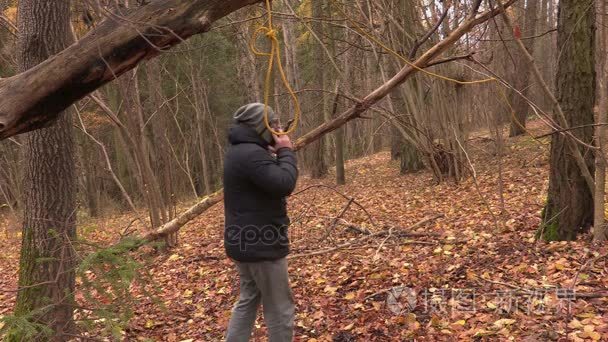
471 272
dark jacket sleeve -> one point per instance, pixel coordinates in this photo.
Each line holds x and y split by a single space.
276 177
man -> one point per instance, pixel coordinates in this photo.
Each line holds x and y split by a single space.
260 170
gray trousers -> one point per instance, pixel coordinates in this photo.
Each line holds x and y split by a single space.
265 282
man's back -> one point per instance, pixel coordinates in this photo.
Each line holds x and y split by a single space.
255 187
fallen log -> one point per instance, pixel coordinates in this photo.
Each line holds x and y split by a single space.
180 221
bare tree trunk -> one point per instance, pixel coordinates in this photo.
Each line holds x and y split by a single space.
599 219
206 173
134 131
552 48
202 112
292 69
543 52
47 264
407 97
522 77
316 156
569 207
247 68
339 136
340 170
135 135
600 231
159 154
90 177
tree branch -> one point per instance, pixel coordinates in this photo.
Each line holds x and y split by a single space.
12 29
428 35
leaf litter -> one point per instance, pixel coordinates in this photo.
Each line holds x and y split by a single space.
474 274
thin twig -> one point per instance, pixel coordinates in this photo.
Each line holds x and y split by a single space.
371 220
522 38
570 129
388 236
367 237
334 222
430 33
483 198
589 263
11 28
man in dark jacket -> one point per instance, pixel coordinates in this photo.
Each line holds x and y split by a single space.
260 170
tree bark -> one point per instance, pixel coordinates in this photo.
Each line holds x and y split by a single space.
292 69
47 264
569 207
139 146
405 138
410 160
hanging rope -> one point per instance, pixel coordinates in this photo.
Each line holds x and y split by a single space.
275 53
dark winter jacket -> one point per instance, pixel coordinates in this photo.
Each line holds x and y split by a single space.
255 187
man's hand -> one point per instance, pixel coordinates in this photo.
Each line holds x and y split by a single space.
282 141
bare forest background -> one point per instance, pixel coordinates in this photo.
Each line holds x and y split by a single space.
156 137
418 78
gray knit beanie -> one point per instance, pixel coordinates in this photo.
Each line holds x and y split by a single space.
252 115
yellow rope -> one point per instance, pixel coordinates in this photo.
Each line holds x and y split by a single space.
275 52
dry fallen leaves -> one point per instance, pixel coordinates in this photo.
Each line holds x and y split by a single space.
343 294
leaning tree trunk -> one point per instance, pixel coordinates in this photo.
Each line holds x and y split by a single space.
46 270
32 99
569 207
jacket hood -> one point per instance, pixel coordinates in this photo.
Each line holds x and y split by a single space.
252 115
242 134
